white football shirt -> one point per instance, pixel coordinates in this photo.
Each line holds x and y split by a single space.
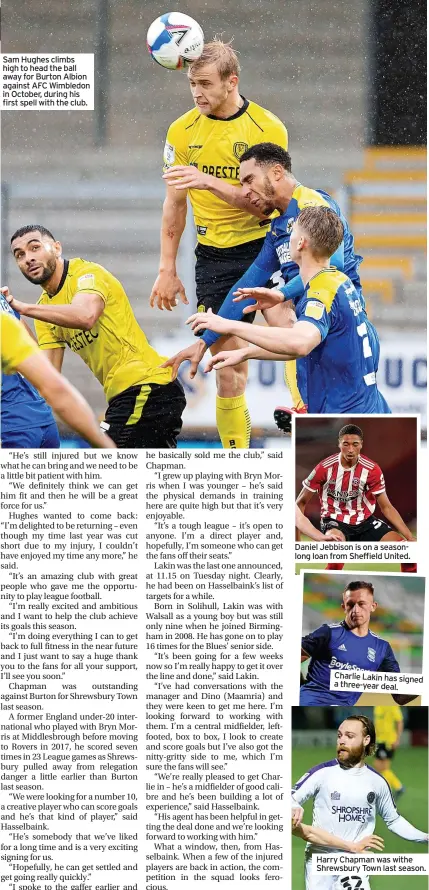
346 802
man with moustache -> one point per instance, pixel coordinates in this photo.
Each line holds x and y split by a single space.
348 795
348 645
202 159
85 307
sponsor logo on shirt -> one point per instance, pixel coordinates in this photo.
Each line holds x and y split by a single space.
202 230
342 647
356 306
283 254
335 795
351 814
82 339
343 665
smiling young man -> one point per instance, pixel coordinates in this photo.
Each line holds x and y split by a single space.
349 645
350 486
84 307
202 159
347 797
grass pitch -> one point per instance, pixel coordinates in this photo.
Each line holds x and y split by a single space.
411 767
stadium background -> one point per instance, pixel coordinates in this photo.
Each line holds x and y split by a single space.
398 618
391 442
314 733
324 68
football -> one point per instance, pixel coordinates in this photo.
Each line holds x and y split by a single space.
175 40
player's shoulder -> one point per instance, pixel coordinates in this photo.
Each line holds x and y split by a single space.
369 464
262 116
329 461
379 780
184 122
308 197
325 286
84 270
318 769
327 764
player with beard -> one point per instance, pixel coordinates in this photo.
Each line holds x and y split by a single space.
84 307
347 796
349 645
201 158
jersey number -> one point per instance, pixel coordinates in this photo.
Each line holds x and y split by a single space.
367 351
276 280
376 524
345 882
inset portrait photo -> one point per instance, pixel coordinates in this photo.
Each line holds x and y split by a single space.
356 478
360 786
358 622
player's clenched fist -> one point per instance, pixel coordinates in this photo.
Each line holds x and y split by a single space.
165 291
15 304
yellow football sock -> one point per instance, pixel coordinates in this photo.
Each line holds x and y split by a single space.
393 780
290 376
233 422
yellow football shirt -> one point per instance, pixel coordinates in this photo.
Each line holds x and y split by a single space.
115 349
386 719
214 146
16 343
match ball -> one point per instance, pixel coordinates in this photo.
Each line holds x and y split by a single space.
175 40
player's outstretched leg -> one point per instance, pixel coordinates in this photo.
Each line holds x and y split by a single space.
232 414
283 417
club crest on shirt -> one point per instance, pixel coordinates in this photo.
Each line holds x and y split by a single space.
370 797
289 226
239 148
371 654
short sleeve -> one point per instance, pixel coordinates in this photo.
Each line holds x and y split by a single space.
375 482
93 282
176 147
275 131
316 644
315 311
390 665
49 336
315 479
16 343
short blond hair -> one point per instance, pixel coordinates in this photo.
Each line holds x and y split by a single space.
323 228
220 54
